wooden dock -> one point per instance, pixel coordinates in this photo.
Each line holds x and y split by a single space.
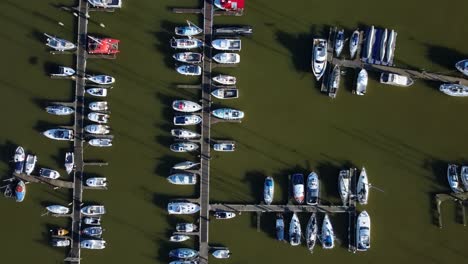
460 198
286 208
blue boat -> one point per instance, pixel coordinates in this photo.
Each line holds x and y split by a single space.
183 253
20 191
280 227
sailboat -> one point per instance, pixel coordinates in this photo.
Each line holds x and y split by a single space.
59 44
188 31
334 82
354 43
295 232
339 42
462 66
311 232
313 189
464 177
31 161
69 162
362 188
344 185
453 179
327 235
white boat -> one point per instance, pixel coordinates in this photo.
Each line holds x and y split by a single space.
69 162
225 79
49 174
313 189
186 106
92 231
383 44
92 210
464 177
64 72
93 244
186 227
228 114
227 44
59 110
453 179
339 42
453 89
362 188
361 83
344 185
224 147
92 220
101 79
97 91
395 79
18 159
58 209
268 190
60 242
184 262
184 134
100 142
179 238
221 253
188 57
334 82
354 43
186 43
227 58
184 147
106 3
59 44
311 232
96 182
327 237
363 231
225 93
183 178
391 41
319 57
186 165
182 208
97 129
370 39
462 66
224 215
279 226
295 231
98 106
31 161
189 69
297 182
189 30
59 134
99 118
187 120
183 253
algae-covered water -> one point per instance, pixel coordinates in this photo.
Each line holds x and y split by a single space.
403 136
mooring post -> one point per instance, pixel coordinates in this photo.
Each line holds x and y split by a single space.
439 214
462 211
259 214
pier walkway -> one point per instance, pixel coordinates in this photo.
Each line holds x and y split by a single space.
288 208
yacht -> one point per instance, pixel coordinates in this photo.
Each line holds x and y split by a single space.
354 43
344 185
183 253
93 244
101 79
182 208
319 57
59 44
96 182
225 79
183 178
313 189
295 232
92 220
60 110
228 114
49 174
383 44
224 215
99 118
98 106
370 39
93 231
179 238
20 191
100 142
189 69
395 79
18 159
184 134
188 57
186 106
184 147
327 237
227 58
464 177
361 84
186 165
268 190
462 66
279 227
97 91
97 129
233 30
69 162
58 209
59 134
298 187
390 46
311 232
186 43
227 44
92 210
225 93
60 242
31 161
64 72
363 229
187 120
186 227
453 89
225 147
106 3
339 42
334 82
221 253
453 179
362 188
188 31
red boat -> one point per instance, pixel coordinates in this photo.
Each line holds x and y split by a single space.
230 5
103 46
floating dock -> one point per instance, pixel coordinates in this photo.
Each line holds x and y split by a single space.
460 198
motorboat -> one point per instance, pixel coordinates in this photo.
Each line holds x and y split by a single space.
464 177
187 120
227 44
361 83
186 43
233 30
64 72
93 244
101 79
184 147
313 189
363 230
334 82
354 43
60 242
20 191
370 39
189 69
395 79
453 179
106 3
186 165
103 46
295 232
184 134
179 238
327 237
98 106
279 227
383 44
298 187
59 232
188 31
97 91
182 208
186 106
69 162
227 58
221 253
183 253
92 231
225 79
228 114
59 44
58 209
230 5
224 147
60 110
344 185
31 161
59 134
99 118
224 215
96 182
339 42
49 174
319 57
462 66
92 220
188 57
311 232
18 159
362 188
97 129
453 89
183 178
268 190
186 227
391 42
92 210
184 262
100 142
225 93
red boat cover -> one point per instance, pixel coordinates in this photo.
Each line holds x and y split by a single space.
232 4
103 46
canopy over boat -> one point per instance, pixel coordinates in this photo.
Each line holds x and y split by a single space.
363 230
183 178
184 147
298 187
227 44
225 79
395 79
103 46
187 120
182 208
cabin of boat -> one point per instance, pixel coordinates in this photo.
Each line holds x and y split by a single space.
186 43
319 57
227 44
227 58
395 79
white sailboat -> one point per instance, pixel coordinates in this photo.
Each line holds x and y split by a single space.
31 161
69 162
354 43
186 165
311 232
295 232
327 237
362 188
462 66
344 185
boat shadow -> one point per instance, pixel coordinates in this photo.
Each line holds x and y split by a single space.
328 174
7 151
165 163
444 56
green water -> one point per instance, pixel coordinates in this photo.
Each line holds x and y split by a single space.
404 136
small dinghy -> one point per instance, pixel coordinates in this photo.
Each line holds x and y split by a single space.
221 253
101 79
59 134
186 106
228 114
453 179
69 162
186 43
313 189
183 253
362 188
99 118
187 120
361 83
20 191
93 244
319 57
184 134
101 142
186 165
98 92
383 44
227 58
225 93
184 147
227 44
58 209
183 179
59 232
344 185
93 220
233 30
268 190
59 44
97 129
224 147
395 79
354 43
327 237
96 182
64 72
224 215
92 231
464 177
187 31
60 110
60 242
188 57
339 42
279 225
49 174
334 82
92 210
18 159
225 79
179 238
31 161
98 106
295 232
462 66
363 229
182 208
186 227
297 180
311 232
189 69
453 89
